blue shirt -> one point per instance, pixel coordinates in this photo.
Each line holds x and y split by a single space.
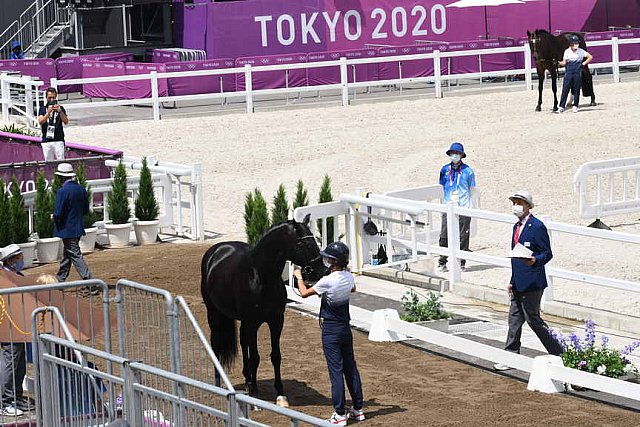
71 204
460 179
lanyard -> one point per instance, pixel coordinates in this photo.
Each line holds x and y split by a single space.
459 173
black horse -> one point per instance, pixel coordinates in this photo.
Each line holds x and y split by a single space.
548 50
244 283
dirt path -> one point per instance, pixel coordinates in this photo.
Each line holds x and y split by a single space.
403 386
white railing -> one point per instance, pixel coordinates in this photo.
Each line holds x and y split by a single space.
402 218
24 99
344 86
608 187
178 190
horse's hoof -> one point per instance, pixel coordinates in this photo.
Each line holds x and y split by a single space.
282 401
593 104
538 108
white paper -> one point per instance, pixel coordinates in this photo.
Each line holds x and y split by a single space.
519 251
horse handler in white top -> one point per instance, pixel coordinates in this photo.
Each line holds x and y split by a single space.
337 340
573 60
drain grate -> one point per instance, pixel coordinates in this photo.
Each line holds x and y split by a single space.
475 327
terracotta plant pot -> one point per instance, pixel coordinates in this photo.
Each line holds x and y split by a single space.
28 252
118 234
146 231
48 249
88 241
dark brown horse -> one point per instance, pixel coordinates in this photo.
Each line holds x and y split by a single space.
547 51
244 283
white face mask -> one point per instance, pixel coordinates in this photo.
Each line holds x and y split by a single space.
455 158
326 262
518 210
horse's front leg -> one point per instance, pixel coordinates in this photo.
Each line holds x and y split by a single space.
275 329
250 356
554 88
540 85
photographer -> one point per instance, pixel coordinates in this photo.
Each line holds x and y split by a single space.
51 117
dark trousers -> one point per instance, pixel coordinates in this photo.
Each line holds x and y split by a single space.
571 81
525 307
337 343
464 225
72 255
13 368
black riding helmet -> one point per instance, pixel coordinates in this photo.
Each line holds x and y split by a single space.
338 251
574 39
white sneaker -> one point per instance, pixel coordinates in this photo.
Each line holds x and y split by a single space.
355 414
560 110
338 420
501 367
10 411
574 109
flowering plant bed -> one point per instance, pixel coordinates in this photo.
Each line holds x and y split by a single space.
589 356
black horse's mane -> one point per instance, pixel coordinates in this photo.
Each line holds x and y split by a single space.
272 230
543 31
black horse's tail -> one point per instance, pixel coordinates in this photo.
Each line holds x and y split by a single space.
224 341
587 82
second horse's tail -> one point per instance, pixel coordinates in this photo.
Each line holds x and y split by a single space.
587 82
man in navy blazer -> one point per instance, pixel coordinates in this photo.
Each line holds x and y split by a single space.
528 278
71 205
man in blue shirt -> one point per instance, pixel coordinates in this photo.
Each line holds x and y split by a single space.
458 181
72 204
16 50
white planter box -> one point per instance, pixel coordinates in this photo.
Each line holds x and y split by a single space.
48 249
28 252
88 241
146 231
118 234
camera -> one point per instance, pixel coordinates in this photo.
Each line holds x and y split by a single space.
51 103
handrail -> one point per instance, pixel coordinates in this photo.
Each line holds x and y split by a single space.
15 22
15 34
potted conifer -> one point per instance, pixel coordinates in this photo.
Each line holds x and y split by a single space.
5 217
146 225
20 224
47 246
88 241
118 209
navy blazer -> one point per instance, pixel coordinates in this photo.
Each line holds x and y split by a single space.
71 204
533 236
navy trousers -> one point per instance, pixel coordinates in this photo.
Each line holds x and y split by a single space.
572 81
337 343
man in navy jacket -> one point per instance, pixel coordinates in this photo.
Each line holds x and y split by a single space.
71 205
528 278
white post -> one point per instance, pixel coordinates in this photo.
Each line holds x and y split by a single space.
124 23
248 87
344 81
54 84
4 91
154 95
197 179
453 243
615 59
527 67
437 73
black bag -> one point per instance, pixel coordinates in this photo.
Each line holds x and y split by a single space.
382 255
370 227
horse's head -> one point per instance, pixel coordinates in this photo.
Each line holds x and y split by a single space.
534 42
306 252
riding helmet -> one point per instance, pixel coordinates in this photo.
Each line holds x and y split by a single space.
338 251
574 39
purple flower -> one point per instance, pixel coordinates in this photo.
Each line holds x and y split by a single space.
605 341
582 364
590 333
575 342
630 348
561 339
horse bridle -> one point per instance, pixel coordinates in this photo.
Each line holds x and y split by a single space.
306 269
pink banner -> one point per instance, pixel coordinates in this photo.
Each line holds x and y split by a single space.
273 79
103 69
137 89
325 75
202 84
43 69
70 67
164 56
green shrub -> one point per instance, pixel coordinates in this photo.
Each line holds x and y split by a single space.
19 215
301 198
44 208
416 311
147 208
6 223
256 217
90 217
325 196
280 209
119 212
20 130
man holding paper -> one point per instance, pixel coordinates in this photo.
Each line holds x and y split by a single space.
530 252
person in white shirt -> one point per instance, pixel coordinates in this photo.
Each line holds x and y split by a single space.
337 340
573 60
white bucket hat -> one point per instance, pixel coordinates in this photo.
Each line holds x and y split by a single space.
523 195
65 169
9 251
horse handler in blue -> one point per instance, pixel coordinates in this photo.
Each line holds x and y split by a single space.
573 60
337 340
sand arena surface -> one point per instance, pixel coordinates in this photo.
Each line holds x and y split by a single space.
399 144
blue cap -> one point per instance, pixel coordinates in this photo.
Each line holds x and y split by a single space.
15 44
574 39
456 146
